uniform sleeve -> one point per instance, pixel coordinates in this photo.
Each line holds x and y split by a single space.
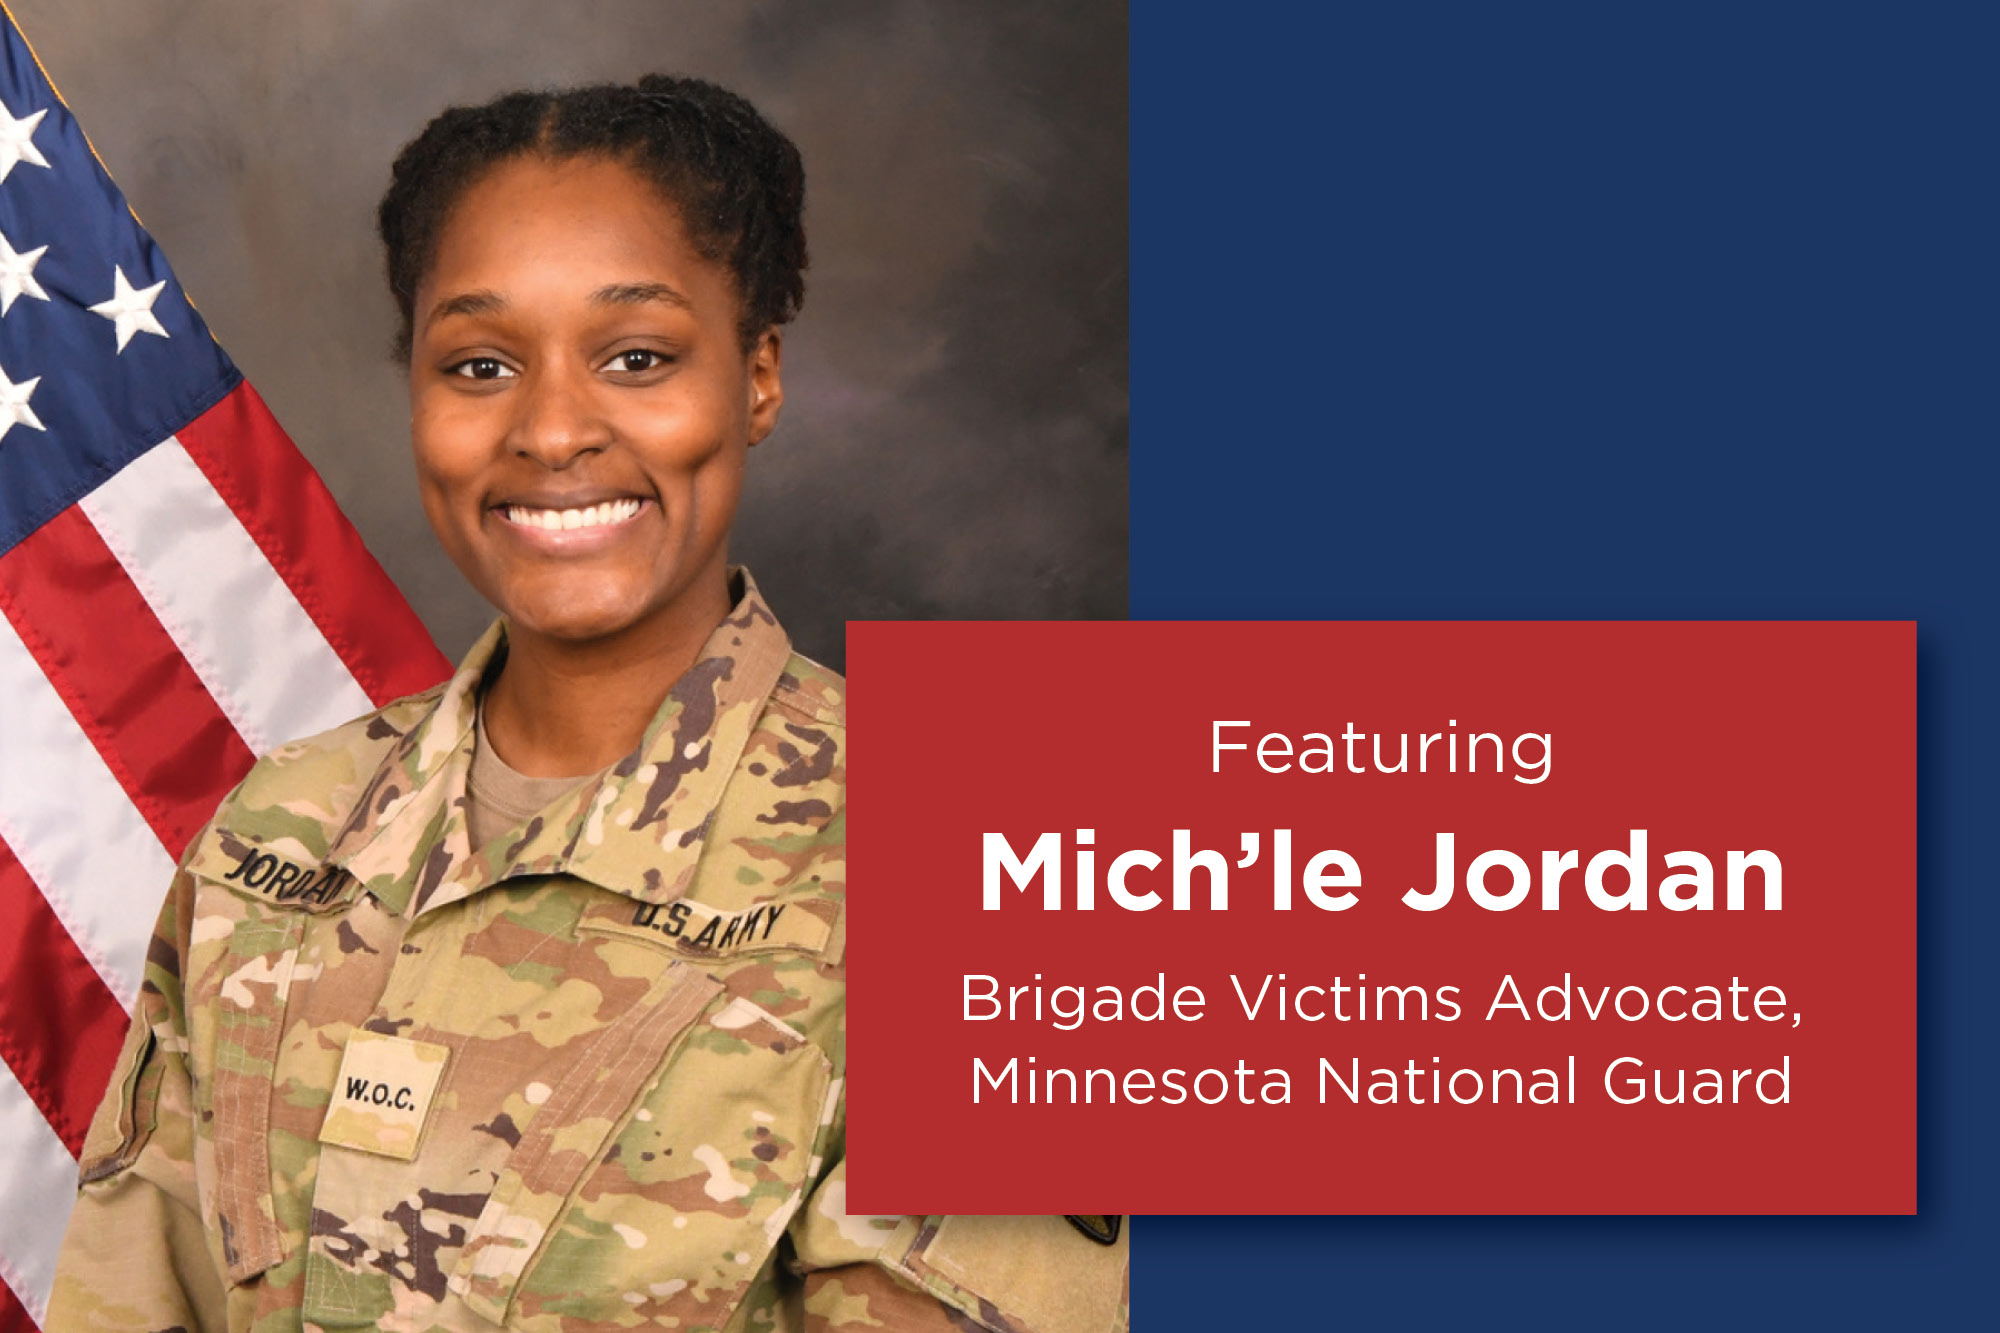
136 1255
951 1274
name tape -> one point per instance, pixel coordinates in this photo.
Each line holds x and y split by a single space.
282 880
699 929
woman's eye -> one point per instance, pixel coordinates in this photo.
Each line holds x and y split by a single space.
482 368
638 361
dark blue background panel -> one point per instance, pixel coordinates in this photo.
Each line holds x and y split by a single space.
1591 311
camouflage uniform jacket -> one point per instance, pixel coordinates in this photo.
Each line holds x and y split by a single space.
587 1076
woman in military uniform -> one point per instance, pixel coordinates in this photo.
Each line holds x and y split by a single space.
520 1002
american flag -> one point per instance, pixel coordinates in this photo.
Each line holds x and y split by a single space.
178 592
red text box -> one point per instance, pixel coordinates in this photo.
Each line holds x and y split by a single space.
1334 1023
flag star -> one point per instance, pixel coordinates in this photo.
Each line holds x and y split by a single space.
14 409
17 274
17 141
131 311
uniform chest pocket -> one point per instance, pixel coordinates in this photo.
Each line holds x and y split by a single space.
655 1195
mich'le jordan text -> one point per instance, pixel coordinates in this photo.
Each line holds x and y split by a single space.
1616 879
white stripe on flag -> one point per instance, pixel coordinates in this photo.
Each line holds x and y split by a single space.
38 1181
72 826
271 671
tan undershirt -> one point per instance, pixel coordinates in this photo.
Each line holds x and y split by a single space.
499 799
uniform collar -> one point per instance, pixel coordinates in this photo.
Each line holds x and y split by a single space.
638 829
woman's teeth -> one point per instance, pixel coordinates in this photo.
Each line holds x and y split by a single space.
591 516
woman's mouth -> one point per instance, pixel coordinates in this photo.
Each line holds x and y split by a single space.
600 515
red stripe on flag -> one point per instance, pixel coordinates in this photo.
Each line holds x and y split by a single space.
60 1028
125 681
287 510
13 1319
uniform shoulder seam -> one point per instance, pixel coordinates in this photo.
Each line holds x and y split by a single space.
817 692
290 770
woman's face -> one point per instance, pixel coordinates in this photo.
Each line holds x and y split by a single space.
581 404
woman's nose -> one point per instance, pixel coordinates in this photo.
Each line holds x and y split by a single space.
557 418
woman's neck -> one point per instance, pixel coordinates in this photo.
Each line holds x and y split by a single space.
564 709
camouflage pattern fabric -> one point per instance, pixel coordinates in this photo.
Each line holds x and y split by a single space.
587 1076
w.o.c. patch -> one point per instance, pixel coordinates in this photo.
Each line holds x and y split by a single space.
383 1094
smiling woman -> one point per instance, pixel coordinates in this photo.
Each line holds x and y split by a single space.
556 1040
581 405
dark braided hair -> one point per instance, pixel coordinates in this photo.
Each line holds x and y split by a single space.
736 181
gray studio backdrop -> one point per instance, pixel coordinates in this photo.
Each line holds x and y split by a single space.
954 434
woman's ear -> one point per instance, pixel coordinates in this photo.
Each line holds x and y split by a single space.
767 390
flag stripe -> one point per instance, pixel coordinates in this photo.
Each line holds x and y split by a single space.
60 1028
72 827
281 501
38 1181
206 600
14 1317
267 665
122 676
